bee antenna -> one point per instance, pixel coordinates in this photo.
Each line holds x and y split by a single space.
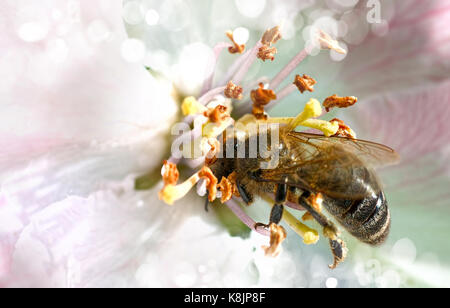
207 201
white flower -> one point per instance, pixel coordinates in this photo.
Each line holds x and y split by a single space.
82 118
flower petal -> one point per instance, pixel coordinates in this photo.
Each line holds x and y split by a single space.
75 114
413 49
117 237
73 84
414 123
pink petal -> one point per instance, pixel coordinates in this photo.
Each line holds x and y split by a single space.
414 123
73 84
415 51
69 127
120 237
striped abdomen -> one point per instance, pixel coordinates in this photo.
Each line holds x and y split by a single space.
367 219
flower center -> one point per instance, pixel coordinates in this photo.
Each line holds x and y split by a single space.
210 115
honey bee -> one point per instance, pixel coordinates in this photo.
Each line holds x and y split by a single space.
341 169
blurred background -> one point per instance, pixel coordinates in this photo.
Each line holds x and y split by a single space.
90 90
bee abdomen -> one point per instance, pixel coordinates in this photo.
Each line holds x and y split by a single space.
367 219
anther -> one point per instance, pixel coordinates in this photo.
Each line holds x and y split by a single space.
260 98
217 114
326 42
267 51
169 173
340 102
233 91
343 130
214 148
191 106
211 182
228 187
277 236
304 83
236 48
271 36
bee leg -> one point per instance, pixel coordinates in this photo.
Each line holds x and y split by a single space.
280 199
277 232
277 210
339 250
338 247
207 201
319 217
246 197
275 217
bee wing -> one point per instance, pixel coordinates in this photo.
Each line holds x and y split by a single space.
369 153
335 166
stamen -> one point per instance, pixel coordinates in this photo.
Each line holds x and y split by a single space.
247 119
213 117
343 130
236 48
191 106
171 192
211 156
312 109
205 98
310 236
245 106
207 84
235 67
271 36
326 42
233 91
260 98
282 94
226 188
202 151
201 187
211 182
246 64
217 114
237 210
326 127
189 136
304 83
277 236
295 61
212 130
254 83
169 173
340 102
266 53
